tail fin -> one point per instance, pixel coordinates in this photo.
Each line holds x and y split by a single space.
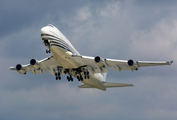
104 76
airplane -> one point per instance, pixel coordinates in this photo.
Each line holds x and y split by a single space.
66 60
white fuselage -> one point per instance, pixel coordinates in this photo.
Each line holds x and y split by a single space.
63 52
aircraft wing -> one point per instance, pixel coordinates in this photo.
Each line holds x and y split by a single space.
100 65
36 66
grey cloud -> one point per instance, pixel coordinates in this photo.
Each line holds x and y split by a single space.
21 14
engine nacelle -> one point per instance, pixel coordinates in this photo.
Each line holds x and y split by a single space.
130 62
20 69
99 61
34 63
132 65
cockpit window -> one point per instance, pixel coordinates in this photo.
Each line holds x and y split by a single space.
50 25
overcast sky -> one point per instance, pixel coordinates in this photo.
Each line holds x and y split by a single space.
136 29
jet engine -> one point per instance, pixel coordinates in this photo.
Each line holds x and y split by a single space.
35 64
20 69
132 65
99 61
130 62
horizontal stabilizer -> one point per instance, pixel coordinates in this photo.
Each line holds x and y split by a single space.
109 85
85 86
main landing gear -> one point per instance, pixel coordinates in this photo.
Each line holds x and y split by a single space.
87 75
58 76
70 78
81 75
80 78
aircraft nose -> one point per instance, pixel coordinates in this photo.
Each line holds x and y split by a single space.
44 30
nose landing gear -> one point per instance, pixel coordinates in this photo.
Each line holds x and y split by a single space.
47 43
48 51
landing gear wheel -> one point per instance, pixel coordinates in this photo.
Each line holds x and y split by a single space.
78 78
68 78
71 78
86 73
48 51
81 78
59 74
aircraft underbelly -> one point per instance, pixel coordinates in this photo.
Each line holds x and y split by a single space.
64 58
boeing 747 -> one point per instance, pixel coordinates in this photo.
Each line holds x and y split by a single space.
66 60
